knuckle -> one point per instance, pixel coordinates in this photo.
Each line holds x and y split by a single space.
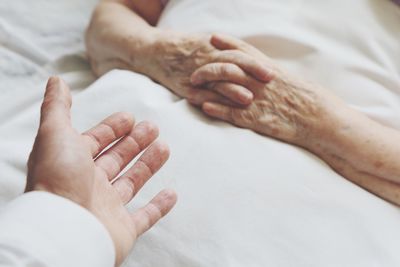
234 55
252 61
243 118
213 68
163 148
237 53
47 102
227 69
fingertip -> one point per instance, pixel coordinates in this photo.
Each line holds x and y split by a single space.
53 86
125 118
267 74
52 81
205 106
166 200
170 195
246 97
208 108
162 150
148 128
55 82
215 35
57 101
217 40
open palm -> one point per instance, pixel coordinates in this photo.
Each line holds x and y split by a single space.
84 167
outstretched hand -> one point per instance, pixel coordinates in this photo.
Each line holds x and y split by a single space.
84 169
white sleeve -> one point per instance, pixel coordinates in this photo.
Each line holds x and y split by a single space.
44 230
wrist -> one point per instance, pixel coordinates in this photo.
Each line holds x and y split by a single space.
337 131
83 200
310 111
322 131
140 53
159 50
114 43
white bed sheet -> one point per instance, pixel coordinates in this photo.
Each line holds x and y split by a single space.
244 199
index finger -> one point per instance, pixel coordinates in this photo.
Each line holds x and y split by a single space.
107 131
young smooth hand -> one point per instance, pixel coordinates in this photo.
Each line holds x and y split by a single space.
74 166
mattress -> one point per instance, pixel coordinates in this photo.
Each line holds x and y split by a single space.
244 199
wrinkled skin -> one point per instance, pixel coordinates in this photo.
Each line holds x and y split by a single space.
286 108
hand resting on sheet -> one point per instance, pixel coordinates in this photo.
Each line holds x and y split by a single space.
176 56
310 116
74 166
119 38
233 81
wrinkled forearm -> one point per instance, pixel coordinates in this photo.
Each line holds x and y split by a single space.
119 38
361 150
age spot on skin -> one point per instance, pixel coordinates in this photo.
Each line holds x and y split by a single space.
378 164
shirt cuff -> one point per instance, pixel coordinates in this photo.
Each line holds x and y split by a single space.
55 231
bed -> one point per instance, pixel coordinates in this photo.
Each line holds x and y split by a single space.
244 199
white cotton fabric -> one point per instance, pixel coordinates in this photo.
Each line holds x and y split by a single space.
244 199
40 229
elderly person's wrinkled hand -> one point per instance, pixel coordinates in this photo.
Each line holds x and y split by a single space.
286 108
119 36
176 56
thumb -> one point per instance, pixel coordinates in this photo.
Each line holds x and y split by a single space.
56 105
